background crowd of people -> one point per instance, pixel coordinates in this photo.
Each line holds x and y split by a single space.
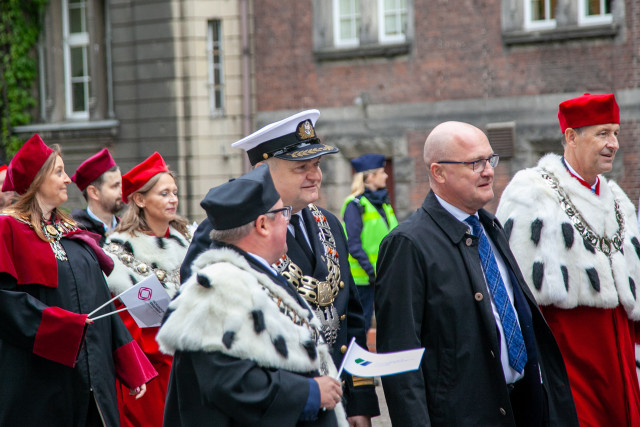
527 317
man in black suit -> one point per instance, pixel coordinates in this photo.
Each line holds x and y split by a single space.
316 262
447 281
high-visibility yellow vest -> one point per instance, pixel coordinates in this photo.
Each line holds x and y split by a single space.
374 228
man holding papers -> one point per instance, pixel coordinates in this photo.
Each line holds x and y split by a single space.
247 348
447 281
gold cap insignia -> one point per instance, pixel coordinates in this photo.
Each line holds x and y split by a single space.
305 130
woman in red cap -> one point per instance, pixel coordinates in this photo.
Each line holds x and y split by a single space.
58 367
150 239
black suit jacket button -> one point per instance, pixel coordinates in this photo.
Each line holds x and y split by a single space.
478 296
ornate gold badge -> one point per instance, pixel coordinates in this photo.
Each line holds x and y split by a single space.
305 130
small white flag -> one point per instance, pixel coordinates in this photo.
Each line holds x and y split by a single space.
360 362
146 302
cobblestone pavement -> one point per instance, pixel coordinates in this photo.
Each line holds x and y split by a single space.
383 420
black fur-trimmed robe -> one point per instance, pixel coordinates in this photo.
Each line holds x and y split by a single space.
239 359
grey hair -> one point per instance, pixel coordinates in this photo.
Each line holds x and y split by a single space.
232 235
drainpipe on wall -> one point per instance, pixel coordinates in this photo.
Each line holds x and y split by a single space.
246 75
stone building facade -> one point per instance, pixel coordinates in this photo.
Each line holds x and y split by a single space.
143 76
187 78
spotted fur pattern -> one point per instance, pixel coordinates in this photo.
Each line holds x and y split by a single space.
166 253
560 270
225 306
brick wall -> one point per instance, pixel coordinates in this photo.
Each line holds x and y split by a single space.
458 54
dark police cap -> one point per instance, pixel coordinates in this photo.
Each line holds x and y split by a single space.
367 162
241 200
293 138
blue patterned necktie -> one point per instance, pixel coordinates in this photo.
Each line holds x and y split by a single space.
512 332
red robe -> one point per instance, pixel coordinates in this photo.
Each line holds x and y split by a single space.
166 253
590 339
136 413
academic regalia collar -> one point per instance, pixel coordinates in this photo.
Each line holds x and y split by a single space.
40 266
595 187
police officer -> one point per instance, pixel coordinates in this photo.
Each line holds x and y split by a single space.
368 217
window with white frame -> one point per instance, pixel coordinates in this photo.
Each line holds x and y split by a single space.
76 62
346 22
361 28
216 71
392 19
527 21
594 12
539 14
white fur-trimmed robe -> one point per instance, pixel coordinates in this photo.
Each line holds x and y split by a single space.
568 264
166 253
225 307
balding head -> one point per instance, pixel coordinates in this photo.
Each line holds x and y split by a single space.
444 137
459 184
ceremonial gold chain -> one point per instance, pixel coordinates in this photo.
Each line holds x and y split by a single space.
319 292
606 245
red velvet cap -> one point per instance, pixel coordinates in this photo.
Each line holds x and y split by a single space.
92 168
588 110
26 164
3 168
133 180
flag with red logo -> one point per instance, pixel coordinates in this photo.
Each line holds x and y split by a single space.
146 302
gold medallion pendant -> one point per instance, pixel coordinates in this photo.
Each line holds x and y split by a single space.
52 230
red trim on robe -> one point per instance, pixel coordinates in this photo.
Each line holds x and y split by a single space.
60 335
39 266
586 184
93 241
132 366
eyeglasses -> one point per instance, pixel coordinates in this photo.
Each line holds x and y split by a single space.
478 165
286 212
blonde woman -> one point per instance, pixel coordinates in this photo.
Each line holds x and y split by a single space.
368 217
150 239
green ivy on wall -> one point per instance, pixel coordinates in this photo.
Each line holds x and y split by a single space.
20 25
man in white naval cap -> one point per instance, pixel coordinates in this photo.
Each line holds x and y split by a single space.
316 263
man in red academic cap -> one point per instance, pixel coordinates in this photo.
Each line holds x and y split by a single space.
100 181
575 237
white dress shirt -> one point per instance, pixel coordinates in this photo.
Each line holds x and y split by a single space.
510 374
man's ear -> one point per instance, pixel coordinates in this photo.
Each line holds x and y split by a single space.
437 172
93 192
262 226
570 135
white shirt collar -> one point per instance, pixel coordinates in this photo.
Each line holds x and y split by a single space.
114 222
263 262
573 171
458 213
